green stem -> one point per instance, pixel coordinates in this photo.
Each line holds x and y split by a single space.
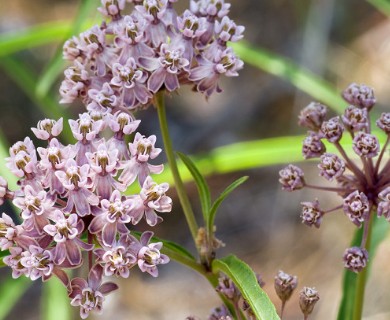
362 277
184 201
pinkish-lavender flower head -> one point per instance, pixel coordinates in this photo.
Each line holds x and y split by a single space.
366 145
311 213
291 178
312 146
312 116
308 297
37 261
355 259
332 129
356 207
384 122
331 166
360 96
355 119
285 284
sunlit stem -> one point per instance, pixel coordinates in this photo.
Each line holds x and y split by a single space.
378 162
326 188
350 164
184 201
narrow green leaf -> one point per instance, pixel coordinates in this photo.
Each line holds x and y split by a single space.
201 184
34 36
11 290
282 67
245 280
217 203
24 77
380 229
381 5
56 65
55 303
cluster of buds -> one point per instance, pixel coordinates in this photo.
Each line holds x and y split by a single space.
125 61
363 177
73 205
285 284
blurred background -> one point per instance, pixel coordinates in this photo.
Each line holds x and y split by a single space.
340 41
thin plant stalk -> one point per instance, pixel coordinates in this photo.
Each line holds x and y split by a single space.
362 276
184 201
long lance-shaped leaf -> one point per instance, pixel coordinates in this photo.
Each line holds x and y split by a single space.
382 5
201 184
282 67
380 229
11 291
245 280
55 303
25 78
56 65
217 203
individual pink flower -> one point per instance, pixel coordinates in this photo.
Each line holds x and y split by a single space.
3 190
104 163
118 258
13 261
75 181
356 207
47 129
36 207
112 217
151 198
149 255
166 68
142 150
89 295
103 99
131 79
65 232
38 262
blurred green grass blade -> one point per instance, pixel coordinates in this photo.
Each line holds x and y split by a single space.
56 65
218 202
34 36
245 280
201 184
11 290
25 78
55 302
282 67
379 232
381 5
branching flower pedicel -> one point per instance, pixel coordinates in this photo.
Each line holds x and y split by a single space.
71 203
364 185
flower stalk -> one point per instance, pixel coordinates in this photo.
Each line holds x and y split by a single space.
183 198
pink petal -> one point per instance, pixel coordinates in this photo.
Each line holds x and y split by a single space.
156 80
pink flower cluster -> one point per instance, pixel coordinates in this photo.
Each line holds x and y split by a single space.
362 177
72 205
126 60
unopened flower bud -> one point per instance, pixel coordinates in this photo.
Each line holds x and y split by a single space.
228 288
384 204
312 146
312 116
356 207
308 297
291 178
384 122
332 129
366 145
331 166
311 213
355 119
360 96
285 285
355 259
